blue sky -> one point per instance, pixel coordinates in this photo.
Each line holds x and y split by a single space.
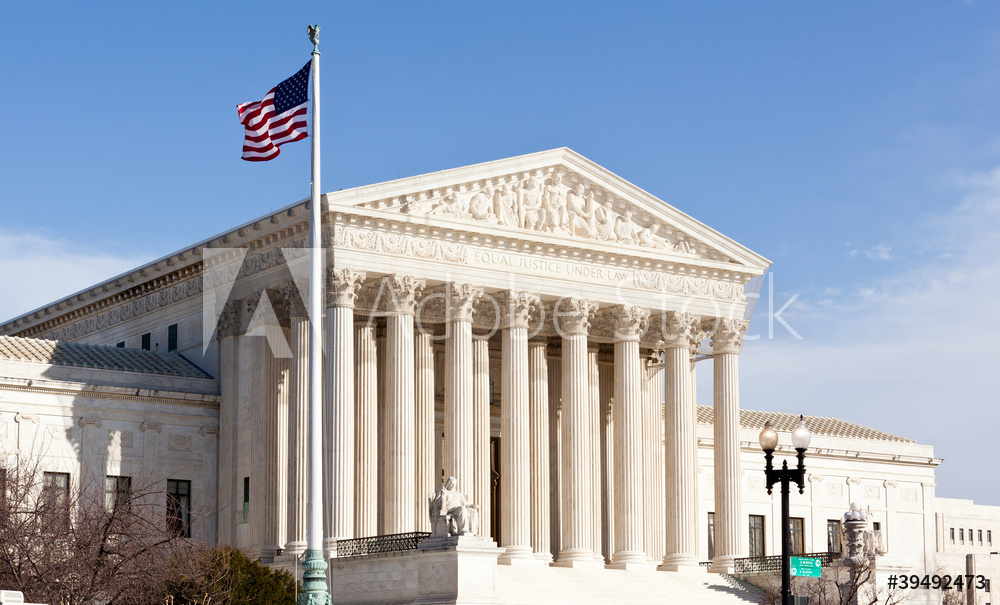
854 144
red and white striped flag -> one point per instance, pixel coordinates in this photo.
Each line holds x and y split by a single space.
278 119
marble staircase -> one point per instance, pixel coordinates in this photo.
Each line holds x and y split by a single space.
543 585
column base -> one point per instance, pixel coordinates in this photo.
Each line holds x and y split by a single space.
723 564
268 553
630 565
514 555
544 557
577 558
680 562
294 548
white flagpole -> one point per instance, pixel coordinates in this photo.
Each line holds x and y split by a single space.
314 578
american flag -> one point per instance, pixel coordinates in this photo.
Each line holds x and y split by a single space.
278 119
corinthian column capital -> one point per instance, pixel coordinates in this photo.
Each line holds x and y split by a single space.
461 298
629 322
516 307
728 334
404 290
293 299
343 285
572 316
231 319
681 330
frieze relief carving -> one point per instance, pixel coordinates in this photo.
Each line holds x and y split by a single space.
400 244
179 443
553 201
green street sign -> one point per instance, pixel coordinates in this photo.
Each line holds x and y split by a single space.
806 567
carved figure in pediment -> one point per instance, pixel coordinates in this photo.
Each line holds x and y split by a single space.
481 207
625 229
581 212
506 206
554 201
650 236
685 245
532 213
604 221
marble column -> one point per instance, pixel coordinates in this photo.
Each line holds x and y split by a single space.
381 347
656 538
229 497
554 362
593 420
573 322
427 476
480 491
268 480
365 429
398 448
680 336
458 423
538 429
515 466
342 289
298 422
606 375
727 340
629 324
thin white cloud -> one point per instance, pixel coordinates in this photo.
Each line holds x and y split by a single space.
914 353
37 269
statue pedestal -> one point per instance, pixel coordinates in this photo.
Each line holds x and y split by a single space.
458 569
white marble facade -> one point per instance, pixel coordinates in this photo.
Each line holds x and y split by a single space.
538 305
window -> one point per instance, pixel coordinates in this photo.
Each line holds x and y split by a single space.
961 535
179 507
55 497
798 529
3 492
171 337
117 494
711 536
146 341
952 535
989 537
833 536
245 513
121 345
979 533
756 535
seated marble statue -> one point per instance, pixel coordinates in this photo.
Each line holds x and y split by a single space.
451 512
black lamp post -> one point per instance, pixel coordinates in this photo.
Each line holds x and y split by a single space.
800 441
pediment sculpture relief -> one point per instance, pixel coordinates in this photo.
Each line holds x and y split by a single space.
546 203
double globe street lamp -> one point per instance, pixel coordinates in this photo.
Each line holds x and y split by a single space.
769 442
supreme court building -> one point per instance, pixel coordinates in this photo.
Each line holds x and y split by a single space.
529 326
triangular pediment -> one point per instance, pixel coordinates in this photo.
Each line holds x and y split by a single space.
557 193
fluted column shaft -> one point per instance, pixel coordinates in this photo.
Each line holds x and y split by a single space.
594 380
267 490
680 334
458 416
229 498
656 539
630 450
577 443
538 412
426 476
555 448
298 433
515 468
365 430
606 374
481 430
727 339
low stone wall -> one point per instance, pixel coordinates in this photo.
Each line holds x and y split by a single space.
462 573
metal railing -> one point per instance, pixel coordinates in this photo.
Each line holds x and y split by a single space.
371 545
751 565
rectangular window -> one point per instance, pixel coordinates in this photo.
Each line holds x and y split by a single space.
979 534
179 507
952 530
117 494
171 338
245 513
989 537
147 340
711 536
121 345
961 535
756 535
833 536
55 497
798 530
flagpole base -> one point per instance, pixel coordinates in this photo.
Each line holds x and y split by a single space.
314 580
